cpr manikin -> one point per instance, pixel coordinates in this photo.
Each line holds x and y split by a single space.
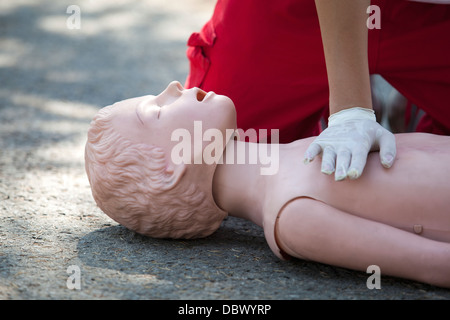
397 218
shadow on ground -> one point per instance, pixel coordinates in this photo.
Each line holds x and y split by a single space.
233 263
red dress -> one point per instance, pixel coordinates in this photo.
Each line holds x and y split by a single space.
267 56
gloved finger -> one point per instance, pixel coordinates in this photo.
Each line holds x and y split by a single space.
343 159
328 160
359 159
313 150
388 149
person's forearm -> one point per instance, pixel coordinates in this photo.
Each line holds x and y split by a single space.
344 36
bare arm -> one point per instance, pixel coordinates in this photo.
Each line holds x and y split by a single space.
344 36
352 128
313 230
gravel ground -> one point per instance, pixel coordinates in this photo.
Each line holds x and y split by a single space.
53 80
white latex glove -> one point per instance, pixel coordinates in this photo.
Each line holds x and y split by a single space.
351 134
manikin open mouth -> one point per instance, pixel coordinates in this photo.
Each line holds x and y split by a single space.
201 94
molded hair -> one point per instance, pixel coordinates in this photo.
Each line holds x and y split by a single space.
130 183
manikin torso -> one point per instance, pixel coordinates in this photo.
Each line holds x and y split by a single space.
402 196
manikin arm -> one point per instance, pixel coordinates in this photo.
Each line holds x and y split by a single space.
313 230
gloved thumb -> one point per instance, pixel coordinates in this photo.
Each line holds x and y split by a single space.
388 149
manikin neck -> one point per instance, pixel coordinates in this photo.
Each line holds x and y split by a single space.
240 189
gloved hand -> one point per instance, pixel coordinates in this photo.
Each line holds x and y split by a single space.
351 134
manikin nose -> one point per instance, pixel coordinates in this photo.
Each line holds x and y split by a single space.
176 84
171 93
173 88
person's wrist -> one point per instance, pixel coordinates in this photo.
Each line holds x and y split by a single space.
354 113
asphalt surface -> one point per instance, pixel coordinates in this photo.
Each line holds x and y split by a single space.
52 81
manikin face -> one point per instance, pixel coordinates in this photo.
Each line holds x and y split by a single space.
153 119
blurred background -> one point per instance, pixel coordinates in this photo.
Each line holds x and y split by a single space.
53 77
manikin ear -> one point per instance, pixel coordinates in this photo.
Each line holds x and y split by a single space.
172 175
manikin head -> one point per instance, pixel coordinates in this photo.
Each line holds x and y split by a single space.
133 177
